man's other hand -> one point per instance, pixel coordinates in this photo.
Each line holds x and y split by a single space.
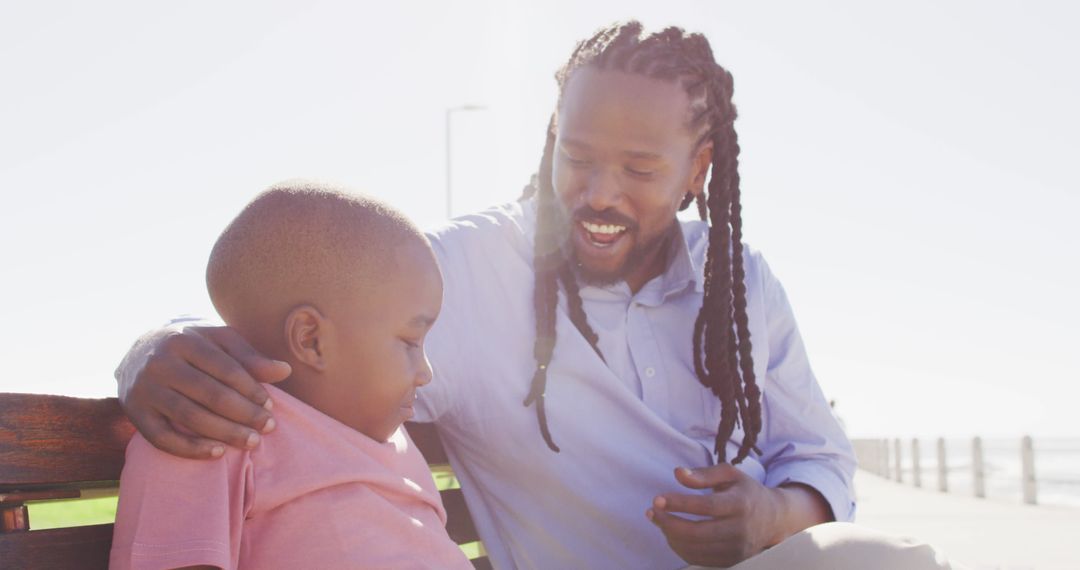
741 516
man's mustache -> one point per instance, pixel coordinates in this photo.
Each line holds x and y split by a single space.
608 216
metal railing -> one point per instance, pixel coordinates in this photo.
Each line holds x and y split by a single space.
1000 467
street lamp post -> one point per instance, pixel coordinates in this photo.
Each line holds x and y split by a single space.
450 111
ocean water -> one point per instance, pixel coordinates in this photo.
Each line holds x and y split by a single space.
1057 467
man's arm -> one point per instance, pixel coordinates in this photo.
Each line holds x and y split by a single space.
802 442
190 388
807 459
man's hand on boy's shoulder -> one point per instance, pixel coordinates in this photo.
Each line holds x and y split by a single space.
203 380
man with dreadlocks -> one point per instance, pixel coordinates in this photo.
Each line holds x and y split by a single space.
670 412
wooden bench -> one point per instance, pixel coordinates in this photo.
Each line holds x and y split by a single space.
56 447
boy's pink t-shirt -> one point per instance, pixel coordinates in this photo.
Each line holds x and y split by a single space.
314 494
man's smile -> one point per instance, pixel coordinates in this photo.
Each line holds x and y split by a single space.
603 235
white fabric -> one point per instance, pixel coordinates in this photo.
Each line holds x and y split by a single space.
845 546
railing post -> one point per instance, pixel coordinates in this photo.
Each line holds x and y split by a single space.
883 459
1027 455
870 460
942 467
874 462
899 461
883 444
916 471
978 472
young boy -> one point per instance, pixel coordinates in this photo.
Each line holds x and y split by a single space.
344 289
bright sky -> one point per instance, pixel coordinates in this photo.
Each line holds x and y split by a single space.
909 171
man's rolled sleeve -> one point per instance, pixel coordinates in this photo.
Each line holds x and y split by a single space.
822 477
801 440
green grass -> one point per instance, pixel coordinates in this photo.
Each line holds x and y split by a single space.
473 549
71 512
444 478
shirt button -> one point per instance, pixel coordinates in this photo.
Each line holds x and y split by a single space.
650 372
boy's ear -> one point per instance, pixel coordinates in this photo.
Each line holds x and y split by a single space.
306 334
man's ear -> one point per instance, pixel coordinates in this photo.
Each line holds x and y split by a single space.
306 334
702 162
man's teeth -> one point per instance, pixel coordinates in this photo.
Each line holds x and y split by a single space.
603 229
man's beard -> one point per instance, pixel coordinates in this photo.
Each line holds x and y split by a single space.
641 253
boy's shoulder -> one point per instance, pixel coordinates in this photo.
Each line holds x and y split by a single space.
176 512
309 467
307 450
312 443
149 470
141 455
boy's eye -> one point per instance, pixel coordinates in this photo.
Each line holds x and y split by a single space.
410 343
638 172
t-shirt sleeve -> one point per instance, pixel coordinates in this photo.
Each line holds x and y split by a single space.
176 512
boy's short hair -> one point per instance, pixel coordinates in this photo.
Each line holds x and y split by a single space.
302 242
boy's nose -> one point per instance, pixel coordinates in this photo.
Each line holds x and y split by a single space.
424 375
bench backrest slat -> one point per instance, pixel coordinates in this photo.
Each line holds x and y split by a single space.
459 522
427 440
51 440
57 548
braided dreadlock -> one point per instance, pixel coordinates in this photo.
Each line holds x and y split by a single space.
721 341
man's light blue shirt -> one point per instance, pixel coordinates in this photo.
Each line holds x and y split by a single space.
623 423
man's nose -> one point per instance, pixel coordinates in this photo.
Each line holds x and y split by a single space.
602 190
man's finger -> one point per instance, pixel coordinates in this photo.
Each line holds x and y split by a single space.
713 554
185 414
705 543
711 477
262 368
715 505
221 399
206 353
157 430
682 530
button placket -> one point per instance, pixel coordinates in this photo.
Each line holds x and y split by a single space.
646 357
